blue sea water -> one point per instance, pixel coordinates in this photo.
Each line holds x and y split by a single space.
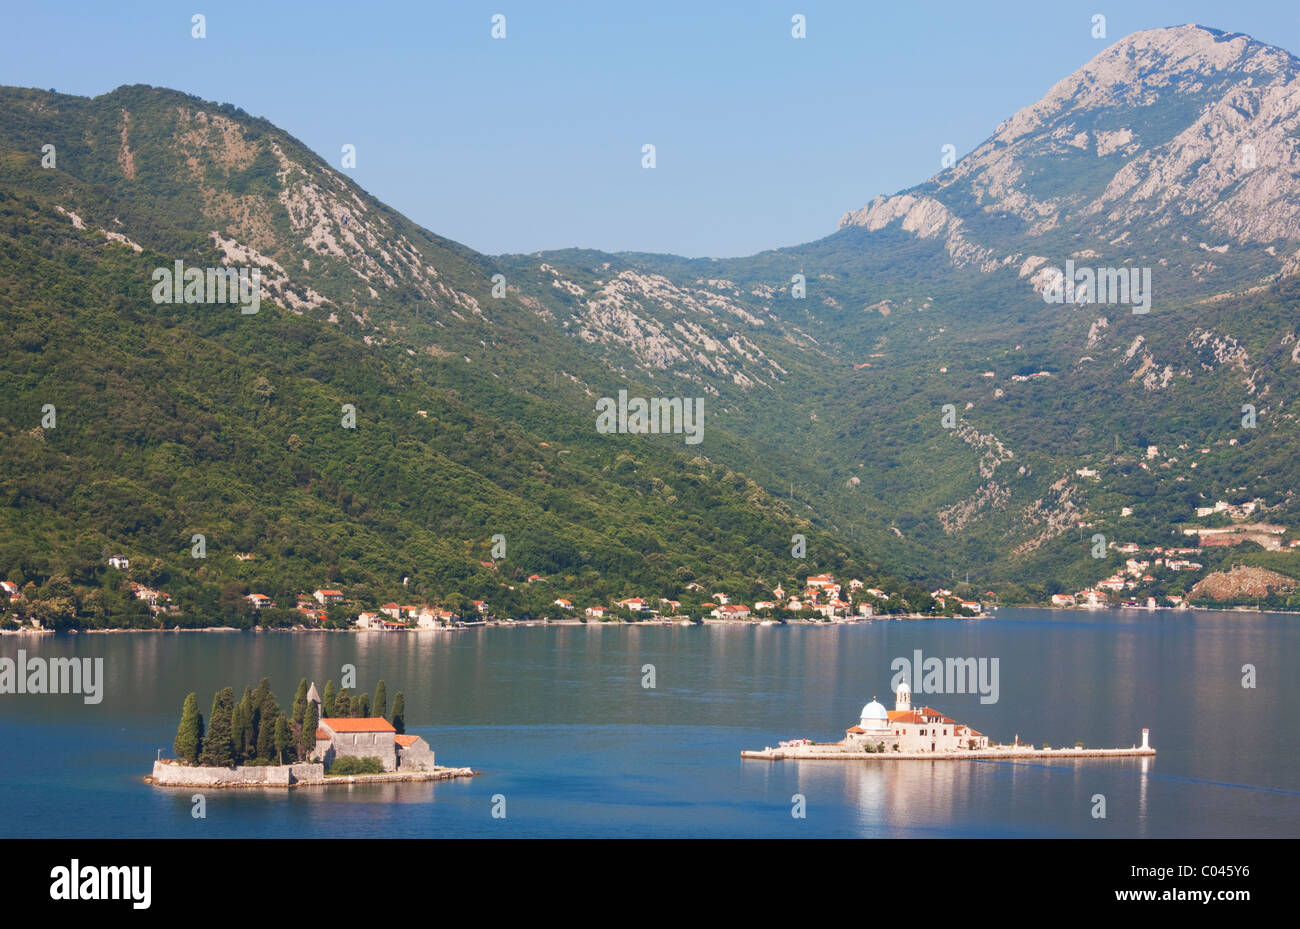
559 724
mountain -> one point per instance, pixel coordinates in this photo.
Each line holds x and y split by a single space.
131 426
1180 146
899 391
1173 151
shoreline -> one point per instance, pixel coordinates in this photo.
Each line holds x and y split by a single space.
513 623
853 621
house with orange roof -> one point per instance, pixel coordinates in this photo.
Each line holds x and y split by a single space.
327 596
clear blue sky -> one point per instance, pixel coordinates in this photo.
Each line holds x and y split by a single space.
534 141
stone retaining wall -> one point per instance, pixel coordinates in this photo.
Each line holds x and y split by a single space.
168 773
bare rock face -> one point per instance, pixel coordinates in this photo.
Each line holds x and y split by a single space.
1241 582
1186 135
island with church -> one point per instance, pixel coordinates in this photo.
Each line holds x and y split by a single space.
337 738
908 732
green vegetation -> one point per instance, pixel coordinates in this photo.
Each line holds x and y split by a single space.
348 764
474 414
399 713
189 734
254 730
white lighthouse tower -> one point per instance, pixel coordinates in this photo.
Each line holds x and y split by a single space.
1145 735
903 698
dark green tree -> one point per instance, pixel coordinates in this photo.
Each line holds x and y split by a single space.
243 734
281 738
268 717
309 722
218 747
299 702
237 732
399 713
381 699
361 705
328 699
189 734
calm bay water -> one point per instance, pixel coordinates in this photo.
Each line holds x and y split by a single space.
559 723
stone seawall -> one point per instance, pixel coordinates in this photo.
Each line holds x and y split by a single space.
813 753
171 774
168 773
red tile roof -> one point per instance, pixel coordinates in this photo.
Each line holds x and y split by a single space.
904 716
357 724
406 741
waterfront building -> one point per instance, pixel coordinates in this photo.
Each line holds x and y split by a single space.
908 729
368 737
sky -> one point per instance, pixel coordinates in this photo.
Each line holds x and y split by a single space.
534 141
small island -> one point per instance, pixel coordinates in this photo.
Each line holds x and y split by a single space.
923 733
336 739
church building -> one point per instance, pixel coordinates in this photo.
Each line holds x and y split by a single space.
904 729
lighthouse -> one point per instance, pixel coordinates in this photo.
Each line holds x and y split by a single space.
1145 734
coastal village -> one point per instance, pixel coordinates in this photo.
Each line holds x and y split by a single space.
1169 577
1148 577
818 598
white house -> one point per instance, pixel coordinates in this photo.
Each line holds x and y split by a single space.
325 597
120 562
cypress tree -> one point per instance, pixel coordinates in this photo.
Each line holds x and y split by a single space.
300 702
269 716
189 735
258 703
237 732
399 713
342 704
245 734
218 748
281 737
309 722
381 699
361 705
328 699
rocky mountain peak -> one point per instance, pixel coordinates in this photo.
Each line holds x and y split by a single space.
1185 136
